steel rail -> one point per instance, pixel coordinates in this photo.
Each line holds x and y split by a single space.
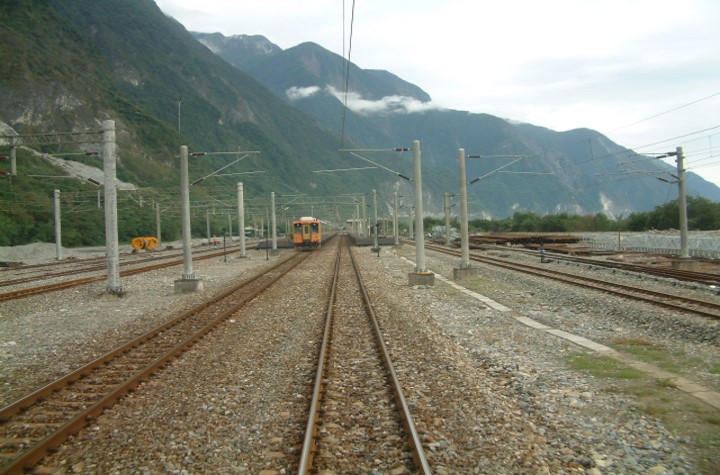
649 296
41 289
421 462
25 280
34 454
704 278
415 444
308 449
126 261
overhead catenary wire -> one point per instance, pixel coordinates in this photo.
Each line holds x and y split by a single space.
663 113
346 70
646 156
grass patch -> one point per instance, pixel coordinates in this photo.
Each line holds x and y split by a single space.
714 420
648 352
625 341
602 366
696 423
657 410
666 383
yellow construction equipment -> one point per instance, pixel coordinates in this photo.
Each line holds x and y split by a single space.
148 243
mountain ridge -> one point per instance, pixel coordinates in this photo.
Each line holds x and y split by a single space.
389 115
66 66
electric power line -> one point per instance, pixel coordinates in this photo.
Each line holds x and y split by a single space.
347 70
662 113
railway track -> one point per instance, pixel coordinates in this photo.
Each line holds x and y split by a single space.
67 267
39 422
95 264
357 400
65 284
701 278
673 302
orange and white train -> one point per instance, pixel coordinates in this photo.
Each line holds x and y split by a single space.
307 233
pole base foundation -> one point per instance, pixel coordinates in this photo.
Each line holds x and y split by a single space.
186 286
421 278
116 291
464 273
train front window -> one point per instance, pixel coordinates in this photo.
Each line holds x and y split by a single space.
298 228
315 227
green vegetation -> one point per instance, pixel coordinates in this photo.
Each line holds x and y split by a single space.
602 366
27 212
660 397
674 361
684 415
703 215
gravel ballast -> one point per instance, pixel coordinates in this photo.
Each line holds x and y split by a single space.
489 395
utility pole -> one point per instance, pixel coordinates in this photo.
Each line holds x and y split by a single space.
464 238
447 219
364 217
395 219
157 223
188 283
13 157
241 217
464 270
207 224
230 231
411 221
111 230
682 204
421 275
376 246
273 224
58 226
682 200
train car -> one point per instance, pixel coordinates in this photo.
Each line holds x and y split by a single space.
307 233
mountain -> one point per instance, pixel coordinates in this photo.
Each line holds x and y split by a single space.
239 50
67 66
578 171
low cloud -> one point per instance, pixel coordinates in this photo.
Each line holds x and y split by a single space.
355 102
294 93
386 105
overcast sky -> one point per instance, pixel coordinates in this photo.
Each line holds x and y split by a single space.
646 73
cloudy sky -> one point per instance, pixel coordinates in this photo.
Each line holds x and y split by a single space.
646 73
